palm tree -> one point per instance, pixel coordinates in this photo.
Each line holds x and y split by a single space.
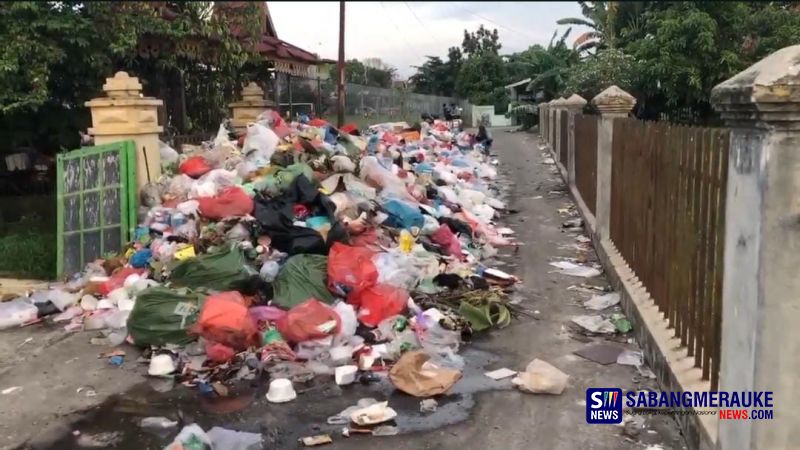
607 22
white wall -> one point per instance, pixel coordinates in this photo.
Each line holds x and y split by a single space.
497 120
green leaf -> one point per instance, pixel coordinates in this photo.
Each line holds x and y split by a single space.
477 318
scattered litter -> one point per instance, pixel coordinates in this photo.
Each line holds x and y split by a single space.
10 390
601 302
621 323
87 391
224 439
281 391
428 405
631 358
373 414
385 430
345 374
600 353
583 239
646 372
161 365
313 441
100 440
415 375
540 377
157 423
191 437
500 374
576 270
595 324
573 223
632 427
549 161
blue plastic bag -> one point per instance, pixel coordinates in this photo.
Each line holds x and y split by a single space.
141 258
403 214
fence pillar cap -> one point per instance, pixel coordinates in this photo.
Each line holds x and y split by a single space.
575 102
614 100
252 92
558 103
768 92
122 85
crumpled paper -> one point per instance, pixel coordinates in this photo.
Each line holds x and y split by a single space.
415 375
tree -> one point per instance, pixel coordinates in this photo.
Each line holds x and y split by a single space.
549 67
609 67
607 21
358 73
481 79
436 76
481 41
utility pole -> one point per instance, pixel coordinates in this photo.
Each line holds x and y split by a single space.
340 84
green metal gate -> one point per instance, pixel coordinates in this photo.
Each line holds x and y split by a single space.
96 203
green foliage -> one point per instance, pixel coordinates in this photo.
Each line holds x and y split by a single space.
356 72
438 77
26 250
481 79
608 67
480 42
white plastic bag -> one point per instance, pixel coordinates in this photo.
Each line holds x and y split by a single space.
348 317
168 154
260 142
541 377
17 312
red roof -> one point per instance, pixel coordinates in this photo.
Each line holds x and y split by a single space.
272 46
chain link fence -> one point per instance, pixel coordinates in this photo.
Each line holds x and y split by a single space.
364 105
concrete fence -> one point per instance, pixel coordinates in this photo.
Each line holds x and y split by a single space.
699 228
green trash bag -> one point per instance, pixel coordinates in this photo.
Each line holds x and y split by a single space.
279 181
302 277
161 316
225 270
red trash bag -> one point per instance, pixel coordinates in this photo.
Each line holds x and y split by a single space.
220 353
117 280
380 302
232 201
317 122
445 238
224 319
195 167
309 320
350 269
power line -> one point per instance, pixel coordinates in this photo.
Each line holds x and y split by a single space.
402 35
494 23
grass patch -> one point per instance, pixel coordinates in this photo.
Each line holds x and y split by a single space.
27 251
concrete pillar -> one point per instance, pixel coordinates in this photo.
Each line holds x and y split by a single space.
556 139
540 107
551 124
760 308
125 114
612 103
249 107
574 105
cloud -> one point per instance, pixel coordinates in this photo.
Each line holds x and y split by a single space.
402 33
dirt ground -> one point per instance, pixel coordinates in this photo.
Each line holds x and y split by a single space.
479 414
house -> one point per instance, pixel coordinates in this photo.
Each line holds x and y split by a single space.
518 92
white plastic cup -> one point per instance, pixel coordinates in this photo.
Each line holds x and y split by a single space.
281 391
161 365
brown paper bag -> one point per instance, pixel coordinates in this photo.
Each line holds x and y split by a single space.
413 376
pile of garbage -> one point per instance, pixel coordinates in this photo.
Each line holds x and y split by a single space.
301 250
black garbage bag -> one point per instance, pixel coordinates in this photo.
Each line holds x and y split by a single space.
275 216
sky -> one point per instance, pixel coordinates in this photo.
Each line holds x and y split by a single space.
403 33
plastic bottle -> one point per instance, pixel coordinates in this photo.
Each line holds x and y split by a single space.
406 241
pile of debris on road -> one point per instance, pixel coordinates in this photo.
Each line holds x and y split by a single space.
299 248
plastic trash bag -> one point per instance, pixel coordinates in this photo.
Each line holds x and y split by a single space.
17 312
379 302
309 320
225 319
350 269
260 141
179 187
349 321
540 377
117 280
269 270
195 167
231 202
225 439
403 214
191 437
301 277
162 316
445 238
223 270
168 154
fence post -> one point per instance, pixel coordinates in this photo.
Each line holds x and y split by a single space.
541 107
556 129
546 123
612 103
574 105
124 114
760 313
248 108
